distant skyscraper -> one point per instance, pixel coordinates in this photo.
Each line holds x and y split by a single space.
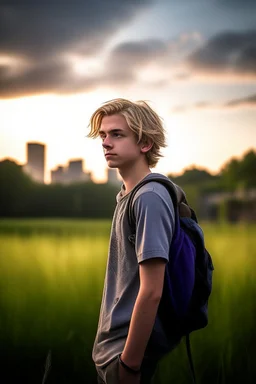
35 166
75 170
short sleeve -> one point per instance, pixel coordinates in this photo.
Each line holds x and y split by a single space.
154 216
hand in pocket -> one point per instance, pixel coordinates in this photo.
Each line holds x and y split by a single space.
126 377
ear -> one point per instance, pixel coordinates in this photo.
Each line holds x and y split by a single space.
146 146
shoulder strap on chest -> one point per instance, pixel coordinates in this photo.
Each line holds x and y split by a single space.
167 183
181 207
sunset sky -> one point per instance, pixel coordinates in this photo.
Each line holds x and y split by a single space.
194 61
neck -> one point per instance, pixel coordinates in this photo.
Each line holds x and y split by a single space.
132 177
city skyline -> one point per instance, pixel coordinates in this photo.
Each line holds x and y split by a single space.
194 62
73 170
109 172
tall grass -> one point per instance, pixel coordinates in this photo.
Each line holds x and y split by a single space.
51 276
51 280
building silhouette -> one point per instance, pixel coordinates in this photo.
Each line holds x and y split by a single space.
35 166
71 174
57 174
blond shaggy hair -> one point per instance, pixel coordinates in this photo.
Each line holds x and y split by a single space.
141 119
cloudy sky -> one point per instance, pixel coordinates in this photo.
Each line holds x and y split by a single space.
193 60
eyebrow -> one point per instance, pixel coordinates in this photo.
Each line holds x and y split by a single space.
115 130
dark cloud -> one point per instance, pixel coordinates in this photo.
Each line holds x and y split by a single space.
127 58
37 35
57 76
38 28
41 33
243 102
246 101
47 77
227 52
138 52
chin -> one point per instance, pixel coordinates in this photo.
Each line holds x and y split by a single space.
112 165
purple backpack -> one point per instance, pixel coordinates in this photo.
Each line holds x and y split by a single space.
188 276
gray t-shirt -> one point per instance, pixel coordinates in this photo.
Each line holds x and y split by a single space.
154 216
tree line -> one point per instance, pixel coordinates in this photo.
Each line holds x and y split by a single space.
232 186
20 196
236 173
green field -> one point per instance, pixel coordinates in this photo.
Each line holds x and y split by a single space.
51 278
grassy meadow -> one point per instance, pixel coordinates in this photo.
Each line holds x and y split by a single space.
51 280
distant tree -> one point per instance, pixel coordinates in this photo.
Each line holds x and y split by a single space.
15 187
240 173
21 197
247 171
229 174
192 176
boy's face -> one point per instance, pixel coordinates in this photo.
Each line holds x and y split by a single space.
119 143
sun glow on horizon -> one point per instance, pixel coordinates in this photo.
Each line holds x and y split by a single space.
61 123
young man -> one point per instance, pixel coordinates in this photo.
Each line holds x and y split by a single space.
130 339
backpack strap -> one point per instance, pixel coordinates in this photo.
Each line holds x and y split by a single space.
181 207
192 369
167 183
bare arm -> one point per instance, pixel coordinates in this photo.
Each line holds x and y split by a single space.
145 310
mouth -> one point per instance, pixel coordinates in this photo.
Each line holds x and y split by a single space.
109 155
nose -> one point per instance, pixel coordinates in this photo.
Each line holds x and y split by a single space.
106 143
